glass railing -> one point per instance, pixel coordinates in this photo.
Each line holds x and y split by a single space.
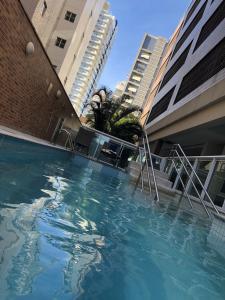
105 148
209 169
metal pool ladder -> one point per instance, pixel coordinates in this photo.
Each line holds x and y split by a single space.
149 166
178 153
69 140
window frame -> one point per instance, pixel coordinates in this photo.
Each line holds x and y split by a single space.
70 16
60 42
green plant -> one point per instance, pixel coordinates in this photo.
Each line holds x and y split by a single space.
114 116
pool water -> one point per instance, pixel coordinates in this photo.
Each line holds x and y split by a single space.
69 230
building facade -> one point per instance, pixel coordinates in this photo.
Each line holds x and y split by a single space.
159 75
65 28
94 60
189 106
144 69
32 98
119 89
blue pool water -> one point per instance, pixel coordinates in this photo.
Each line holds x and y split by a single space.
72 230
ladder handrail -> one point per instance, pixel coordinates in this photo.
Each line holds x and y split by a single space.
193 184
147 168
182 183
69 138
196 175
142 168
152 166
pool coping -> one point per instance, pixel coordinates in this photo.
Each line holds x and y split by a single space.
6 131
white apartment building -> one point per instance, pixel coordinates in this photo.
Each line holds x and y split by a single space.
144 69
93 60
65 28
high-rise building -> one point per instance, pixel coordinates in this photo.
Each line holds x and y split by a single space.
66 28
144 69
189 106
119 90
94 59
159 74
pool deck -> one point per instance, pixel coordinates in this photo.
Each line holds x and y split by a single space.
26 137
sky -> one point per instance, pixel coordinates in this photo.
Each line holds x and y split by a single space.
135 18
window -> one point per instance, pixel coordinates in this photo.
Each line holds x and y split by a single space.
44 8
175 67
161 106
140 67
144 56
70 16
136 78
60 42
149 43
131 89
191 11
211 24
190 28
209 66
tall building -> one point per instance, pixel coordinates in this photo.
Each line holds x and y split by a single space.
159 75
66 28
119 90
144 69
94 59
189 106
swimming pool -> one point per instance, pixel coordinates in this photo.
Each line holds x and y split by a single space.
71 229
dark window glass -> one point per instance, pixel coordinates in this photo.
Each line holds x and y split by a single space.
209 66
211 24
175 67
191 11
149 43
189 29
140 67
60 42
161 106
70 16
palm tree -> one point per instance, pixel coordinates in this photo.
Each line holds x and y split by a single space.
114 116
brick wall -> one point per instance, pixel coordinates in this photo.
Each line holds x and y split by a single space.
27 103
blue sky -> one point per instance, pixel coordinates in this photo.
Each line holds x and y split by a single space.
135 17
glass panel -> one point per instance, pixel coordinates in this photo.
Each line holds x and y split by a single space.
168 166
202 172
216 188
144 55
149 43
126 156
109 152
156 162
140 67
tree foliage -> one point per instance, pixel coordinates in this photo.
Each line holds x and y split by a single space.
114 116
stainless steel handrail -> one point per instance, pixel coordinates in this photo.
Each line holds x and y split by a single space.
152 167
69 139
182 183
196 175
147 168
193 184
142 168
203 158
